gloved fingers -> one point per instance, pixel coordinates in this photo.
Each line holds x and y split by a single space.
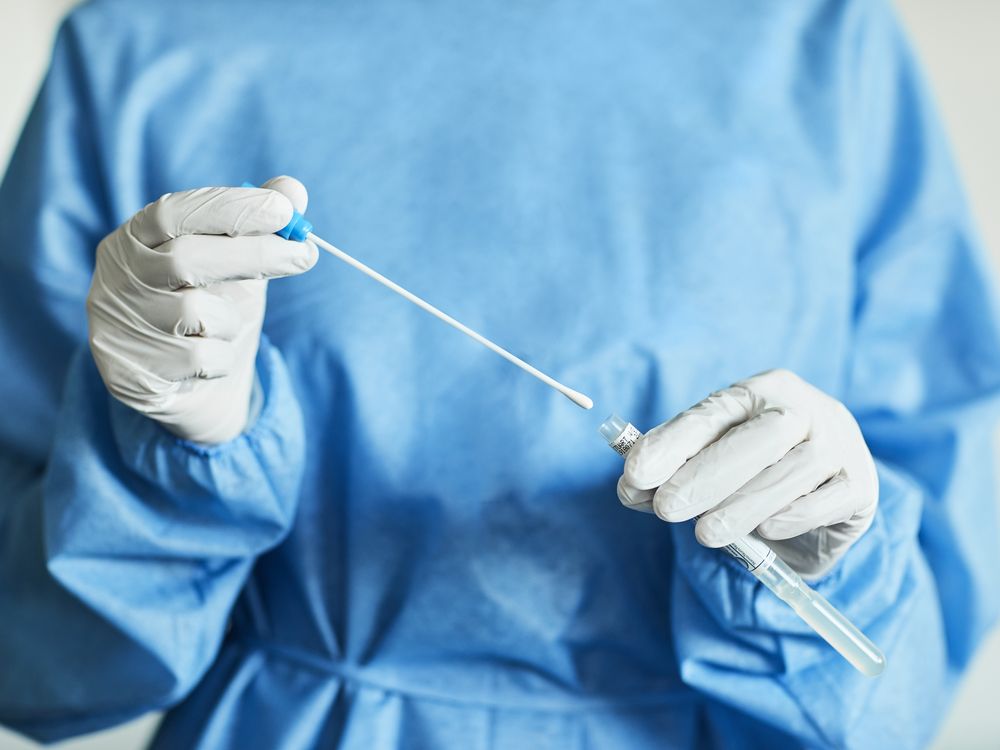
830 504
201 312
199 358
197 261
664 449
128 377
191 312
633 499
726 465
292 189
803 469
218 211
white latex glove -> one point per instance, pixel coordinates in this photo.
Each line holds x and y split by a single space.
177 303
771 454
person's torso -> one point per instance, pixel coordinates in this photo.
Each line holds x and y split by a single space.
648 202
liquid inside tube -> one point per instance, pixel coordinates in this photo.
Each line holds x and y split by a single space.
822 617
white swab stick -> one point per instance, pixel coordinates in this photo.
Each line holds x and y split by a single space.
575 396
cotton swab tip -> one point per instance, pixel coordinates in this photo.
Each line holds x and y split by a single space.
584 402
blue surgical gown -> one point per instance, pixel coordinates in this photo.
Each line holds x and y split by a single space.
416 546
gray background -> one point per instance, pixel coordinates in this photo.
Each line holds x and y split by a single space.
957 40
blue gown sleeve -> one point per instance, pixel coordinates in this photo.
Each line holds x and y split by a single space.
122 548
924 383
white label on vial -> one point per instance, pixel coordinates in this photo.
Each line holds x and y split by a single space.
624 442
750 551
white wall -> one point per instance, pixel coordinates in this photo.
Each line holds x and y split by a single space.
958 42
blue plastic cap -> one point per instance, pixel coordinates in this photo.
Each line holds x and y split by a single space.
297 229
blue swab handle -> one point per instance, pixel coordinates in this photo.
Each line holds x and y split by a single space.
298 228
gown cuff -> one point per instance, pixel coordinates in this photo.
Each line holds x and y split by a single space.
262 467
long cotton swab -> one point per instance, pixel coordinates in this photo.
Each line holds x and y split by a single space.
575 396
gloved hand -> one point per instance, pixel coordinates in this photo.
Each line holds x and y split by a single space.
771 453
177 303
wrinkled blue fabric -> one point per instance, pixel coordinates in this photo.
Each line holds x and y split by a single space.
414 546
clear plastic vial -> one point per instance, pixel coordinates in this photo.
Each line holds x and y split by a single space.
774 573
